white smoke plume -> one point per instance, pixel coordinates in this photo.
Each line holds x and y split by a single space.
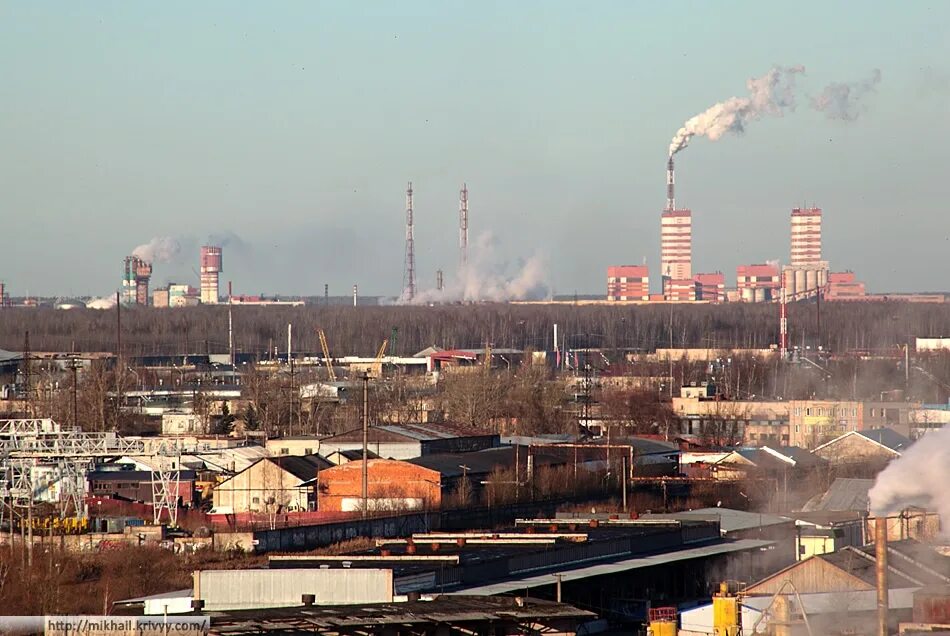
105 302
487 278
842 101
771 94
919 477
161 249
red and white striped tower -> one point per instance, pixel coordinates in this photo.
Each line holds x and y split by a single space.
210 268
806 237
676 245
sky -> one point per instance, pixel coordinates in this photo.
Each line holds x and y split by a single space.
292 128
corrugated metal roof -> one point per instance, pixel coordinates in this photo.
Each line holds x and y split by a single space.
729 520
887 437
619 566
302 467
845 493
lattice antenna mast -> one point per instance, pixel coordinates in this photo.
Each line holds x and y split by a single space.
463 225
409 274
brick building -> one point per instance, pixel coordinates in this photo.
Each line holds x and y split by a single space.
392 485
844 286
628 282
710 287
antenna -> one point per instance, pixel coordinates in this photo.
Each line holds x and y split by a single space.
409 275
463 225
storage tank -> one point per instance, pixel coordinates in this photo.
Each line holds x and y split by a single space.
800 287
811 280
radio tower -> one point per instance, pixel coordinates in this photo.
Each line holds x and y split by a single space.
463 225
409 275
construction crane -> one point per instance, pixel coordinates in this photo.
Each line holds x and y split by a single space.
378 362
331 374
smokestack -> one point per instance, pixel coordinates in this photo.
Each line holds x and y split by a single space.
409 274
880 553
670 198
355 294
439 285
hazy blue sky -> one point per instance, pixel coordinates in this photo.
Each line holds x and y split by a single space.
295 126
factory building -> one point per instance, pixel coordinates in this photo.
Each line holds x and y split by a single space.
210 268
758 283
804 281
135 281
806 237
628 282
710 287
680 290
844 286
176 295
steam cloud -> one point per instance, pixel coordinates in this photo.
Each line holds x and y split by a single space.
843 101
486 278
772 95
919 477
161 249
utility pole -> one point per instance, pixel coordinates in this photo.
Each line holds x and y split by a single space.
623 476
365 378
290 361
118 357
74 365
27 374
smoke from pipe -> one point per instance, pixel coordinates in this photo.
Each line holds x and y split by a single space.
919 477
161 249
485 277
843 100
773 94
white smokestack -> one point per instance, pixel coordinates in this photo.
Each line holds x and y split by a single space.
842 101
771 94
160 249
919 477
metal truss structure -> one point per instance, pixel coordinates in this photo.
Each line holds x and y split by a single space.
64 455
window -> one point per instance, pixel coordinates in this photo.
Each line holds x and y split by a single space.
807 411
854 412
256 500
798 410
308 451
285 451
872 412
797 428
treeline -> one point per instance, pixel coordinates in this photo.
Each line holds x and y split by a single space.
360 330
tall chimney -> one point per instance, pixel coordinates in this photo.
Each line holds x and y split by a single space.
880 553
670 198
